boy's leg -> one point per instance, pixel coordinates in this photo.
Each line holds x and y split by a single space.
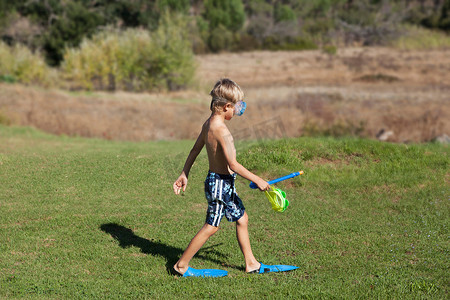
196 243
244 242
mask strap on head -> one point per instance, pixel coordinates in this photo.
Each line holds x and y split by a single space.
217 98
239 107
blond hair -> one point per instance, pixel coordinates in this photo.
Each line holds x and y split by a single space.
225 90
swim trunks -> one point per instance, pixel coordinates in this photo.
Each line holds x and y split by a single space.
222 199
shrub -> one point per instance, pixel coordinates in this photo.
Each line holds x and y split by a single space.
18 63
198 35
229 14
337 128
76 22
133 59
439 18
329 49
175 51
224 18
245 42
379 77
298 43
283 12
259 27
416 38
220 39
4 119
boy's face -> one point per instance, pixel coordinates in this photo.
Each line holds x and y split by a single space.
232 109
229 111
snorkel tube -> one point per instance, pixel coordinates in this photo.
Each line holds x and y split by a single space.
276 196
254 186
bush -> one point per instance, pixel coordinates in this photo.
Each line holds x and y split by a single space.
229 13
337 128
283 13
292 44
417 38
18 63
76 22
329 49
245 42
223 18
175 52
4 119
198 35
220 39
134 59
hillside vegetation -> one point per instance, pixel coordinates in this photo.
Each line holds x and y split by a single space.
86 218
356 92
83 36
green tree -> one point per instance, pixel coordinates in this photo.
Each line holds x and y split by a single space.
181 6
228 13
67 22
284 13
130 13
224 18
6 7
444 21
68 30
258 7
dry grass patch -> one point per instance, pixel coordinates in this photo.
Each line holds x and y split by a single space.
290 94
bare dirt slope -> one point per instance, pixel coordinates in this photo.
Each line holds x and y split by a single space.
359 91
424 68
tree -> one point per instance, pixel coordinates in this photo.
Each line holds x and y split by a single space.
68 30
284 13
444 21
228 13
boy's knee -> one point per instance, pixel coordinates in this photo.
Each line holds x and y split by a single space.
243 220
211 229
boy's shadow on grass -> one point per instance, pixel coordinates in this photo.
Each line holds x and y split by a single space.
127 238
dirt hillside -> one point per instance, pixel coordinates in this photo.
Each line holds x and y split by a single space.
399 96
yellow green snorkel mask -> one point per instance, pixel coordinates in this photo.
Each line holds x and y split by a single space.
276 196
278 199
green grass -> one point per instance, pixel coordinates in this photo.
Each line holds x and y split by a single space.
82 218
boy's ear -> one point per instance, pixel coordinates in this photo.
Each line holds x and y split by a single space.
225 107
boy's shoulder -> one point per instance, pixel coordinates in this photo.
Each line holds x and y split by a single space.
215 126
215 129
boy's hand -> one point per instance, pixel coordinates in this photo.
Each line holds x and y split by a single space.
262 185
179 184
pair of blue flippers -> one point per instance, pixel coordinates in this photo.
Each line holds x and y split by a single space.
191 272
273 268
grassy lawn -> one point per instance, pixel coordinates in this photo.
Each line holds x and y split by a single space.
84 218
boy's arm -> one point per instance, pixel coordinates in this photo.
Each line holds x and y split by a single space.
226 141
181 182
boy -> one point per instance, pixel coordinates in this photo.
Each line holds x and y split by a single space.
220 191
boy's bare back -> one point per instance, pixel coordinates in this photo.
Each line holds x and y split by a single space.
226 102
215 134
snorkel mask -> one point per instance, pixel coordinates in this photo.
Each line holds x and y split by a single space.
239 108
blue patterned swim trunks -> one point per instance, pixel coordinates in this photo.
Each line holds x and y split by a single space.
222 199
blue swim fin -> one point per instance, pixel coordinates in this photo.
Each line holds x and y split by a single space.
274 268
191 272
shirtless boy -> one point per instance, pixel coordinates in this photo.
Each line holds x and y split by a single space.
220 190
